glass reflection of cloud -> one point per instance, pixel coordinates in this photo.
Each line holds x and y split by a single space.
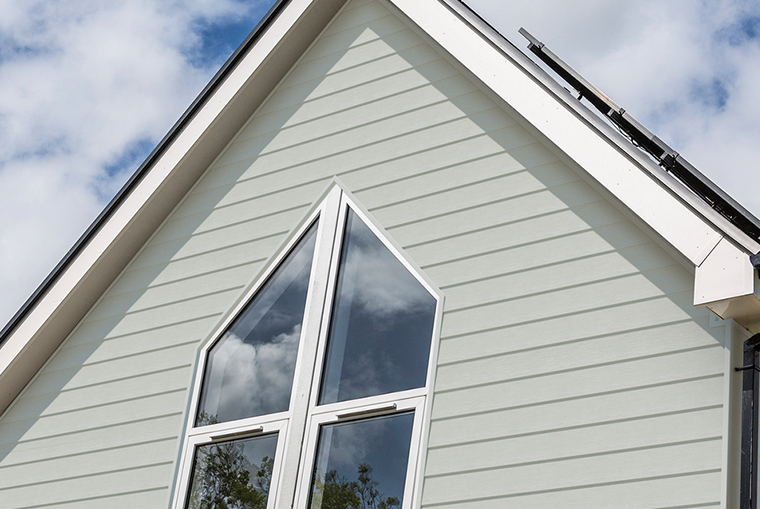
250 368
257 377
387 290
382 322
262 309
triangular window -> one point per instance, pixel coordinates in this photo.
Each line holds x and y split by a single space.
315 389
381 323
249 370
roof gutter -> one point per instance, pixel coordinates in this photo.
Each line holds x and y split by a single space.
143 169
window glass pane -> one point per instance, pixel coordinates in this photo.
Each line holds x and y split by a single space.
249 370
234 474
382 322
362 464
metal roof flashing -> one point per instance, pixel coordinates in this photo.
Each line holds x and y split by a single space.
603 127
725 280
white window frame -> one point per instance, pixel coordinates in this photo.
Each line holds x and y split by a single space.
219 434
343 412
298 427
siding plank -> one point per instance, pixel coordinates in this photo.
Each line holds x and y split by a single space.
490 390
565 301
493 237
612 468
84 465
291 94
513 451
82 353
691 490
154 497
492 175
354 36
626 317
124 434
110 392
550 251
630 261
72 422
105 485
115 369
578 412
559 351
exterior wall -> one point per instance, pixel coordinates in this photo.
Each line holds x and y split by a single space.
573 370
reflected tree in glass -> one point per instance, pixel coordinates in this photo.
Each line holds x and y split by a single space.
382 322
233 475
362 464
249 371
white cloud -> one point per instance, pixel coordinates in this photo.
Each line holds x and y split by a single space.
82 83
662 62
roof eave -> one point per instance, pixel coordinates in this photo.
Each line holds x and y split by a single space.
149 196
714 245
647 164
137 176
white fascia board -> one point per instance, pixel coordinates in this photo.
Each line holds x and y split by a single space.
570 133
680 218
202 138
604 129
727 284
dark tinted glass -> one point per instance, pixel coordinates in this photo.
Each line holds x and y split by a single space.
250 369
233 474
382 322
362 464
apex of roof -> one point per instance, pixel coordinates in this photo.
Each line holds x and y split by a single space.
718 250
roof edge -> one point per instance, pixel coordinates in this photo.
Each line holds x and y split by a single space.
642 138
142 170
674 186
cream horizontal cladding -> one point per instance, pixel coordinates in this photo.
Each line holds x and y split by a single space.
573 369
575 442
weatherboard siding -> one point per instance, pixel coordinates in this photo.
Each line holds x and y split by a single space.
573 369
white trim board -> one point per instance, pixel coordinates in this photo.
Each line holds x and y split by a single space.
685 222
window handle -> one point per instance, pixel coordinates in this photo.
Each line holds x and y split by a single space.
368 411
238 433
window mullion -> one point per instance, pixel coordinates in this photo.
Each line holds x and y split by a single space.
311 332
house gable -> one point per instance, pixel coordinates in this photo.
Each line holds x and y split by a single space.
562 318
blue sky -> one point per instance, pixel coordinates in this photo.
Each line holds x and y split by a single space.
87 88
